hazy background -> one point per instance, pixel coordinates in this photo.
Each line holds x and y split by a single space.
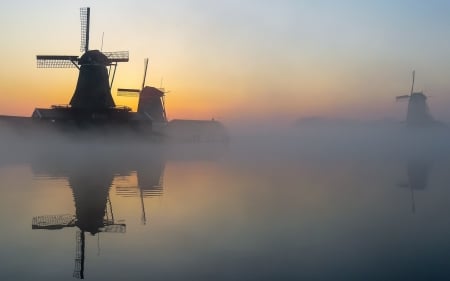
239 60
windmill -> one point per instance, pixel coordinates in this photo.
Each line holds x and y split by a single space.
418 114
92 96
151 100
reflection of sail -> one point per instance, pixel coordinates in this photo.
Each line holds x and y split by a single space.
418 172
78 271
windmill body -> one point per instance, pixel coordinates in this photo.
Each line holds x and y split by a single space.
151 103
92 92
418 113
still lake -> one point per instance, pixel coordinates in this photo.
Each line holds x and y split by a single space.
260 208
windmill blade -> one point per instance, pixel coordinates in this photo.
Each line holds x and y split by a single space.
114 228
84 18
128 92
127 191
413 78
56 61
121 56
401 98
145 72
53 221
78 271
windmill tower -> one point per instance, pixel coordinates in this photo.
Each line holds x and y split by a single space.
92 95
151 100
418 114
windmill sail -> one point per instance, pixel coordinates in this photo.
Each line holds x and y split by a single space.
56 61
53 221
128 92
119 56
403 97
84 18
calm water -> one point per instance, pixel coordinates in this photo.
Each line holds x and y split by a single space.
279 210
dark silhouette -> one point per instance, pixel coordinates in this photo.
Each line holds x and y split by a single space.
92 105
151 100
418 114
94 212
92 102
90 176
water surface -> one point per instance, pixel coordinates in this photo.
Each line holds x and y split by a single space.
276 209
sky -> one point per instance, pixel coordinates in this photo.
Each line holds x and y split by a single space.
257 60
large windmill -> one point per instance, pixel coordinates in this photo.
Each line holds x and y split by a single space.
418 114
92 99
151 99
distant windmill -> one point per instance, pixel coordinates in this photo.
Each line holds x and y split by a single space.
93 90
151 100
418 114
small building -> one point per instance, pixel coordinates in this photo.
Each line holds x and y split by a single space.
196 131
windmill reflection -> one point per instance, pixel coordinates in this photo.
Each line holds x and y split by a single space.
94 213
90 179
149 184
418 170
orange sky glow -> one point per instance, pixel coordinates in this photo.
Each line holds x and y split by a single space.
231 61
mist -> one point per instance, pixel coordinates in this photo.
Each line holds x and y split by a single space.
310 199
248 141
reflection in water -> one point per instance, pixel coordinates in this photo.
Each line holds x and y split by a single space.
289 218
90 178
418 170
149 184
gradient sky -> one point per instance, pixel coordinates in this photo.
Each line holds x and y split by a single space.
234 60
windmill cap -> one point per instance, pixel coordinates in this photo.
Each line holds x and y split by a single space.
151 92
418 95
93 57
